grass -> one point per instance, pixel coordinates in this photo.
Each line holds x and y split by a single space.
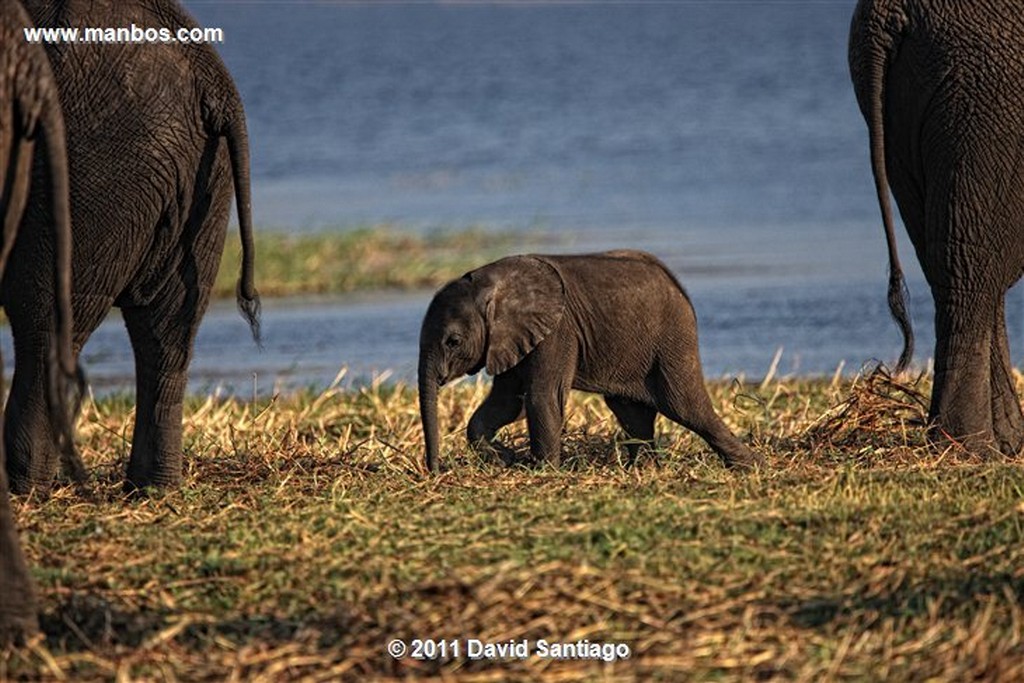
307 538
365 258
376 257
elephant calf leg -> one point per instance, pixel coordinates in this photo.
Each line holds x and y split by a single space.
637 420
502 406
545 416
682 398
1007 421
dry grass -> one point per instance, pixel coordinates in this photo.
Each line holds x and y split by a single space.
307 538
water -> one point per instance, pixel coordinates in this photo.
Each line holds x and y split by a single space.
722 136
650 116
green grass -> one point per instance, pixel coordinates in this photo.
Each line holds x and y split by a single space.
376 257
307 537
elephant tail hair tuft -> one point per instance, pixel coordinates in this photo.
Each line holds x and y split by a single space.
898 296
250 308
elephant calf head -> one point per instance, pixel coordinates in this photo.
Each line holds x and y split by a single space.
491 317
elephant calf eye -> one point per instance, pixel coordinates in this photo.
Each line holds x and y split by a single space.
452 342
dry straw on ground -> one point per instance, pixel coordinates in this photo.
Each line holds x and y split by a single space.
307 538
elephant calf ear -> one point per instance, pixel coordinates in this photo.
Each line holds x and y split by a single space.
526 304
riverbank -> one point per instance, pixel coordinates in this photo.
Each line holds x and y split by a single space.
306 539
367 258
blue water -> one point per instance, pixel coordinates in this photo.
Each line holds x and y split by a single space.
638 116
722 136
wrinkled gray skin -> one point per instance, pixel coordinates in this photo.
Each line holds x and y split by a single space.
616 323
941 86
156 138
30 119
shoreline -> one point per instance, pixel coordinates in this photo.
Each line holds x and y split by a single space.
347 382
367 258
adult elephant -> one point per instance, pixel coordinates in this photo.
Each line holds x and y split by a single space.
30 118
941 86
156 138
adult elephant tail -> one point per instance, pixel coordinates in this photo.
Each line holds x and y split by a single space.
897 294
238 148
68 384
872 39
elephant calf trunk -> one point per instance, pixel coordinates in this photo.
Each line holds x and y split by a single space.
428 415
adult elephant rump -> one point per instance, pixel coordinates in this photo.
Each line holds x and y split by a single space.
156 139
941 86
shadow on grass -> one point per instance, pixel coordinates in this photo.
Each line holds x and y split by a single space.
936 598
975 613
84 622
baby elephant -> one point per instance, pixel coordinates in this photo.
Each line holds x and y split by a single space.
616 323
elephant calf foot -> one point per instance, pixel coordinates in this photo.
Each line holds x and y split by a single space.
1009 442
743 459
494 448
635 448
1011 446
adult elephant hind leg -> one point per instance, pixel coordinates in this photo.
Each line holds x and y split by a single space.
30 442
162 335
637 421
163 325
1007 418
962 398
17 600
17 603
